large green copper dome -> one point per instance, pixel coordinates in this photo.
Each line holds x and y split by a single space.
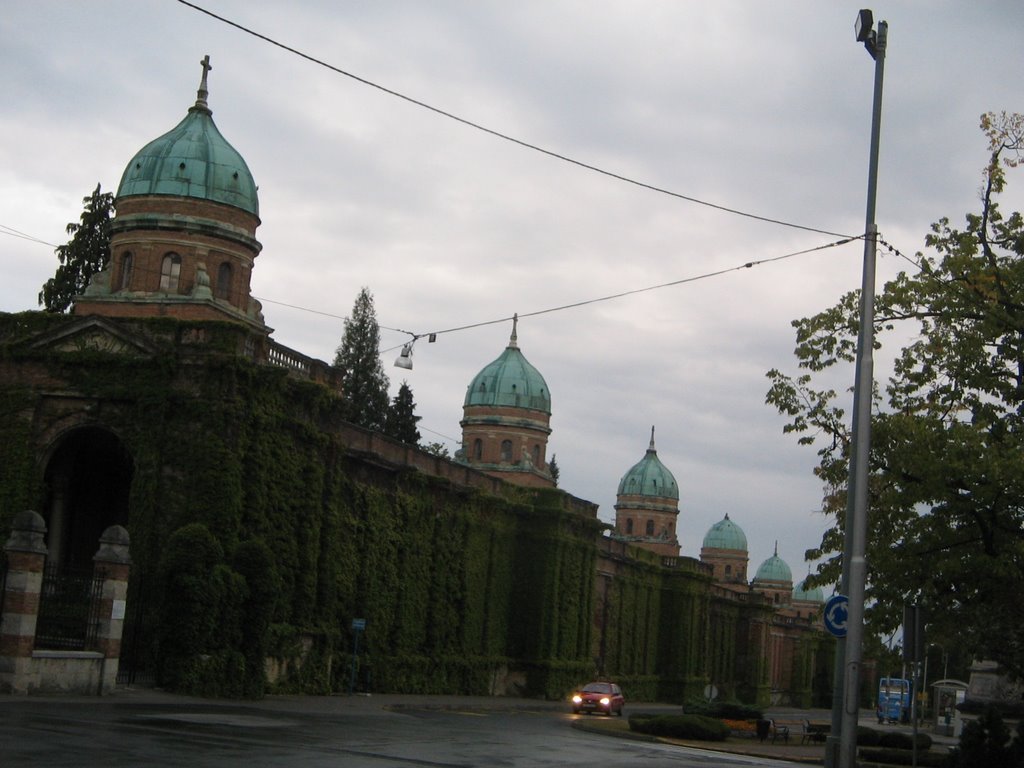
192 160
649 477
510 381
725 534
774 569
813 595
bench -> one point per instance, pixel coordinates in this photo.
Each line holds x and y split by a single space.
814 732
772 729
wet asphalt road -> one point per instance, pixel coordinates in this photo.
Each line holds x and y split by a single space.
152 729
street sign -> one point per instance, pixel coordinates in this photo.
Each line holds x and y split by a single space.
358 624
836 610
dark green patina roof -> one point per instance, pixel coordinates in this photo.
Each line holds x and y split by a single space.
510 381
649 477
193 159
725 534
774 569
808 595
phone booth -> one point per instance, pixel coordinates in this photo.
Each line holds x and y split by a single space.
948 693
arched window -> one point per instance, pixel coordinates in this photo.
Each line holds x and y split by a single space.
728 570
478 449
536 455
506 450
629 527
650 527
126 271
170 271
223 289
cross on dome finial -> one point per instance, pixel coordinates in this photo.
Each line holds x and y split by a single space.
651 447
514 339
203 92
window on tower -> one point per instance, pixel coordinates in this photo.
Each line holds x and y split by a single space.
506 450
223 289
126 271
650 527
170 271
629 527
478 449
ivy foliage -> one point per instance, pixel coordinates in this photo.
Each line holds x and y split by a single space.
261 528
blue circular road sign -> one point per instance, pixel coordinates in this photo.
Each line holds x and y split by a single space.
837 609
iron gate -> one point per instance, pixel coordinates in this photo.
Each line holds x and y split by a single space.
69 610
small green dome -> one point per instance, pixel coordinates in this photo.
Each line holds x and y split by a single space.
192 160
804 595
510 381
725 534
774 569
649 477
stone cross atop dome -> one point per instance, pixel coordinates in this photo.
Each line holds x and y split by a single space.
203 92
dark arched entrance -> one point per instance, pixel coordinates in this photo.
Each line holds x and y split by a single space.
88 479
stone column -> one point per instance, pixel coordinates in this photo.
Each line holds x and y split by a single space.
26 557
113 562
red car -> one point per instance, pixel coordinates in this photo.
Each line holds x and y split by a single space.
598 697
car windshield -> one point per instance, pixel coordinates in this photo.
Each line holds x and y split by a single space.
597 688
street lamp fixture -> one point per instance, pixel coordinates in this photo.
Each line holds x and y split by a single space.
864 27
404 359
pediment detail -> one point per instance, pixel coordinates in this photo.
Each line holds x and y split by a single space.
94 334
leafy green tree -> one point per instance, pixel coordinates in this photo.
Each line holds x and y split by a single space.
86 253
988 743
946 525
402 418
438 449
358 357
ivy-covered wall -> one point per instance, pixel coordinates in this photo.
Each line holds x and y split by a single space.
262 524
463 590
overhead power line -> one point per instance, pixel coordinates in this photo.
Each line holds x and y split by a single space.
623 294
505 136
12 232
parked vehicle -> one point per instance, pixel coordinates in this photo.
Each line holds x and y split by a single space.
893 700
599 697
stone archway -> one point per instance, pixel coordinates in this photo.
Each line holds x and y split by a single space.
88 479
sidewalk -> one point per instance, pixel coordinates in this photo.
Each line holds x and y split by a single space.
792 750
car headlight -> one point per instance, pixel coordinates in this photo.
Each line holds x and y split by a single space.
605 701
577 699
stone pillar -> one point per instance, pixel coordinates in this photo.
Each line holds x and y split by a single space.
26 557
113 562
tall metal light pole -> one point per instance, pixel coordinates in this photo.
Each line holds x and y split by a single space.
842 744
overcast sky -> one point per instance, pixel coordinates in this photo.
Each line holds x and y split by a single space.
759 107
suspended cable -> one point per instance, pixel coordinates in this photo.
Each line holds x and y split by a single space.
12 232
505 136
695 278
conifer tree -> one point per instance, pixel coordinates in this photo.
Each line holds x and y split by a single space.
553 468
402 418
358 357
86 253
